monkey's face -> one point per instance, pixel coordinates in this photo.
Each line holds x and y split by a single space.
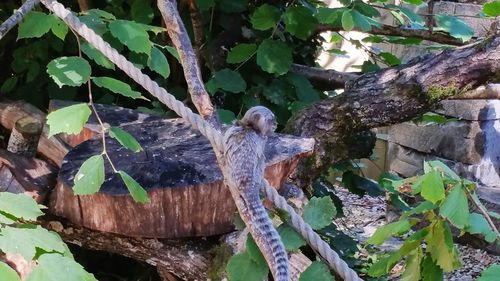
260 119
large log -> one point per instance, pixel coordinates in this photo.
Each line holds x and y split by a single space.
179 171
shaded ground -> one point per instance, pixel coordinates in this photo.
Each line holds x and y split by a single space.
364 215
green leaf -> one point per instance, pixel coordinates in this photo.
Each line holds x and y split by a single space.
9 85
125 139
455 207
19 206
366 9
241 267
490 274
404 40
440 166
53 267
454 26
432 187
69 71
276 92
265 17
492 8
226 116
412 268
414 2
90 176
479 225
159 63
69 119
132 35
117 87
95 23
7 273
415 20
303 88
35 25
205 5
361 21
290 238
241 53
274 57
384 265
430 270
319 212
390 59
317 271
253 251
173 51
383 232
230 81
300 22
421 208
440 245
328 15
96 56
136 190
347 20
233 6
101 14
59 28
141 11
25 241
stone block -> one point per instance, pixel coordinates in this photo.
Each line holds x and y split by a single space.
408 162
473 110
459 141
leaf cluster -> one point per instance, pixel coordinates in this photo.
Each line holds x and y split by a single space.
19 236
428 249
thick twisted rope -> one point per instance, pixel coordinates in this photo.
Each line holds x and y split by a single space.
213 135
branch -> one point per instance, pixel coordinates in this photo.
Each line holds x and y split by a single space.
197 24
388 30
324 79
188 259
17 17
390 96
180 38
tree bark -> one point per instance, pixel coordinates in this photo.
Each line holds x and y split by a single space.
393 95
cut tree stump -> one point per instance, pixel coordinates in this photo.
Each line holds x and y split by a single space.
179 171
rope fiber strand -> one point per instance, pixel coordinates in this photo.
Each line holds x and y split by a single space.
206 129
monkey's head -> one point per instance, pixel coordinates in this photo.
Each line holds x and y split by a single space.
260 119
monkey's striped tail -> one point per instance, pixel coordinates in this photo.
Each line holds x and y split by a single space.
265 235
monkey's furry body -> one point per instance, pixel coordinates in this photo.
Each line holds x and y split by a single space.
244 153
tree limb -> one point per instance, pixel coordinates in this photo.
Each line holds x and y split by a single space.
388 30
390 96
188 259
324 79
177 32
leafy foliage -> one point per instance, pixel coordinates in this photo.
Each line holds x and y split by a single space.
33 242
442 207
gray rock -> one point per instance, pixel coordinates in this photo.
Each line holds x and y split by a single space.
458 141
473 110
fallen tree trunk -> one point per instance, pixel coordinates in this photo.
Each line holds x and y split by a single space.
393 95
